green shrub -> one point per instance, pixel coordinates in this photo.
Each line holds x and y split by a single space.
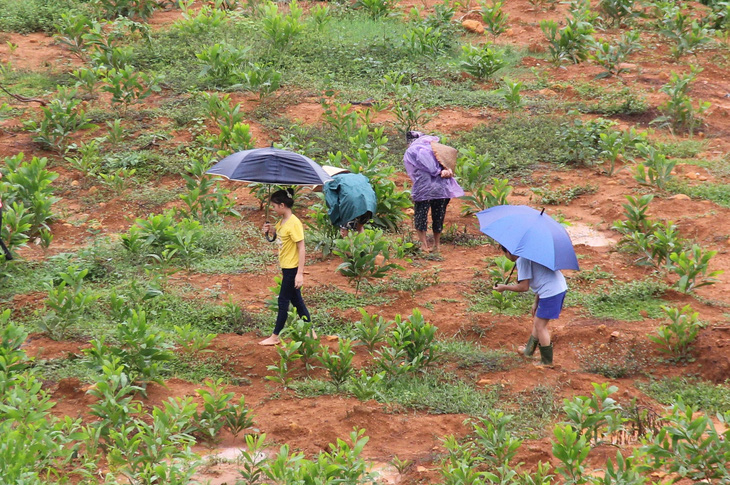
676 339
612 56
376 9
365 255
339 365
481 61
141 350
704 395
279 29
222 64
128 86
616 12
570 43
691 266
27 184
482 198
495 20
415 337
208 19
62 117
66 302
25 16
139 9
678 112
688 35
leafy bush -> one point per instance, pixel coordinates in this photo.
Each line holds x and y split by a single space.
687 34
223 64
142 351
691 266
494 18
612 56
426 40
140 9
25 16
260 79
27 185
339 365
208 19
61 118
481 61
371 329
482 198
205 199
679 113
596 416
66 301
279 29
510 92
581 139
288 354
163 239
127 86
376 8
365 255
676 338
415 337
570 43
616 12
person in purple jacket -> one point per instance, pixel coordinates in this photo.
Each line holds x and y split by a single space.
433 186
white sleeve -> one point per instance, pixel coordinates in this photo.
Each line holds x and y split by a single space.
524 269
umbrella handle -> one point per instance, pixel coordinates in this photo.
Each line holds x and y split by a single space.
270 238
510 274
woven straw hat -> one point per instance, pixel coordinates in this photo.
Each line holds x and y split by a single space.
445 155
332 171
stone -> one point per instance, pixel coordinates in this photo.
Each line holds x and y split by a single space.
680 197
421 469
615 335
644 313
483 382
75 183
702 178
94 189
601 329
692 175
473 26
332 338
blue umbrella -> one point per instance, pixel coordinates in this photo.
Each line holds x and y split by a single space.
529 233
270 166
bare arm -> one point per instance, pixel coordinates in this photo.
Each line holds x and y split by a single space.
299 279
519 287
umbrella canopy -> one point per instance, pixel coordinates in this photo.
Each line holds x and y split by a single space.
529 233
270 166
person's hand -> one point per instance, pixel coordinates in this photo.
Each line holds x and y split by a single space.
267 228
299 280
499 288
446 173
534 309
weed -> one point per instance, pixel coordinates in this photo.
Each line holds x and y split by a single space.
676 339
376 8
616 12
279 29
678 112
365 387
704 395
687 34
570 43
562 195
624 301
288 354
614 359
510 92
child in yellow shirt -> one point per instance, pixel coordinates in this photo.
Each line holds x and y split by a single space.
290 236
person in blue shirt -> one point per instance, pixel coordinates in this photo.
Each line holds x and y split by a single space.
550 288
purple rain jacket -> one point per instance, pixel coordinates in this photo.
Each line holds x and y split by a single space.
425 172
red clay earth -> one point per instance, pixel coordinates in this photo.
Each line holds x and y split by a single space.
310 424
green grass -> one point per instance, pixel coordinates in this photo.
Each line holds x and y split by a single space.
622 301
25 16
438 392
470 355
699 394
717 193
535 409
517 144
328 297
599 99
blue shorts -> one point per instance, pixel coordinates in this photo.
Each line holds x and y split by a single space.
549 308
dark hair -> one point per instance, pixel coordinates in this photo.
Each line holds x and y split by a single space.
285 197
412 135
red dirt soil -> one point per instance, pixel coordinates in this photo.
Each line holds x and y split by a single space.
310 424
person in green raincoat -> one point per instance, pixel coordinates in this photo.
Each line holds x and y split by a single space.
350 200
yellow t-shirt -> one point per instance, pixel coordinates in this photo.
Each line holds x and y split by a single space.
289 234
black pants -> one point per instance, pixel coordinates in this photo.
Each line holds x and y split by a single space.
5 249
438 214
289 294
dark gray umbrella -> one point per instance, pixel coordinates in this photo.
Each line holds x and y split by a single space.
270 166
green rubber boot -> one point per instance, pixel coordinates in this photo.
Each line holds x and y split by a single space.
530 346
546 354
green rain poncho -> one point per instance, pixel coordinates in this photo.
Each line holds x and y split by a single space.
349 196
